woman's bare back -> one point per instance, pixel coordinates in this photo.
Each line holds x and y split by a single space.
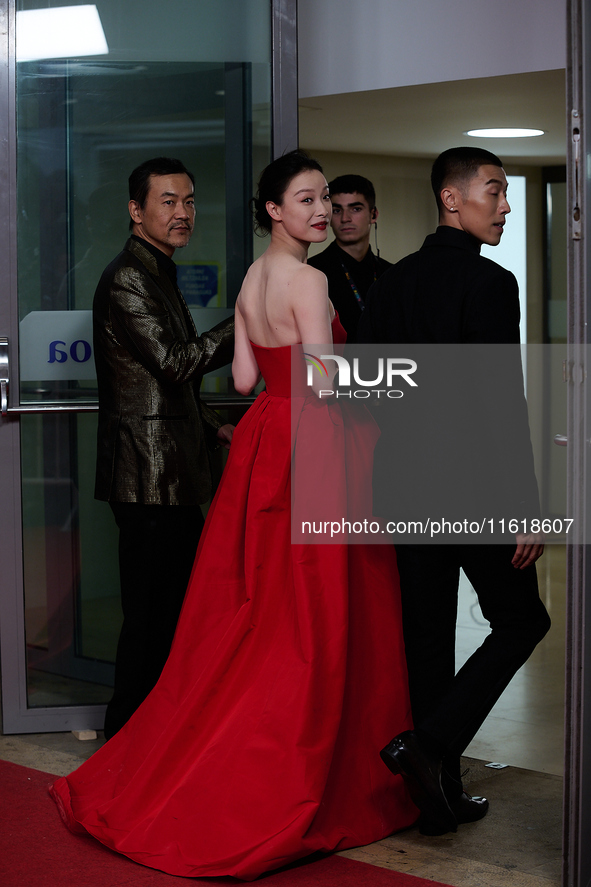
279 295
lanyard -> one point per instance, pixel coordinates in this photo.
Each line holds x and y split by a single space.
353 287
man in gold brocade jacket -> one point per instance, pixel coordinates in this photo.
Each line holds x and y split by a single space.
154 431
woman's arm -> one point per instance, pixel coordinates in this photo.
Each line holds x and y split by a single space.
312 311
245 369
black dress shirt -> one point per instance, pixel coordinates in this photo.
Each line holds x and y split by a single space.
165 263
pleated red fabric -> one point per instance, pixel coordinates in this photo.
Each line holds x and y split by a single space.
260 743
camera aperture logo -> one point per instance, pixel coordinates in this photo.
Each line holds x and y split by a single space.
389 371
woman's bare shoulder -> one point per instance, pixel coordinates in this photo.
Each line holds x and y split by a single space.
312 273
309 282
254 271
251 284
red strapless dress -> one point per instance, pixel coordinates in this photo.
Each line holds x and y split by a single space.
260 743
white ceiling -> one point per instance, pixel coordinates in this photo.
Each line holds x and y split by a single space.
422 121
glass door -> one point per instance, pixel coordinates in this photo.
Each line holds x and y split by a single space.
88 93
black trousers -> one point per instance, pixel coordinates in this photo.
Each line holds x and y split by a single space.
157 545
450 708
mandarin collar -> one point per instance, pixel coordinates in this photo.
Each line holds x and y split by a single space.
448 236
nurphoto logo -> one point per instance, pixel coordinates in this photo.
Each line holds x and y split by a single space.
389 371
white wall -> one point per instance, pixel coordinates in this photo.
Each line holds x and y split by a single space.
356 45
407 211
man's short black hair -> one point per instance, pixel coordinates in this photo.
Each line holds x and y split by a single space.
139 180
458 166
353 184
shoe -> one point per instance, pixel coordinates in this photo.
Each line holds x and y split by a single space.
469 809
421 772
465 809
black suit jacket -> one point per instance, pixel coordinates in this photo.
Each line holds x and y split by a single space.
460 444
151 444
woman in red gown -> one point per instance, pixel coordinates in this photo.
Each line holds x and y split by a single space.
260 743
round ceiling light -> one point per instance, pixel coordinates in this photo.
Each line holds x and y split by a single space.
504 133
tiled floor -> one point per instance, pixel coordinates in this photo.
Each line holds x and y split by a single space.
526 727
519 842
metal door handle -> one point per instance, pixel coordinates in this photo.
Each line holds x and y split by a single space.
4 377
560 440
219 402
5 410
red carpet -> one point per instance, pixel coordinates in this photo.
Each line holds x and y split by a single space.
36 850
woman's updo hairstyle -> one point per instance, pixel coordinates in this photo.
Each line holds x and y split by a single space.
273 184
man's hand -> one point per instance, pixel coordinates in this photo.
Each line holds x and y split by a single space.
530 547
224 435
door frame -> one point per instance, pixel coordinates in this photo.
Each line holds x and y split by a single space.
577 781
16 716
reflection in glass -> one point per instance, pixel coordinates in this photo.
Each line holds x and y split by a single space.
72 612
198 89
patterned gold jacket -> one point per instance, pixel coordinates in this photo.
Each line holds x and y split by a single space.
151 445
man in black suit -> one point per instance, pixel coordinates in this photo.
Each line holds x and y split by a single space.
348 262
154 432
447 293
